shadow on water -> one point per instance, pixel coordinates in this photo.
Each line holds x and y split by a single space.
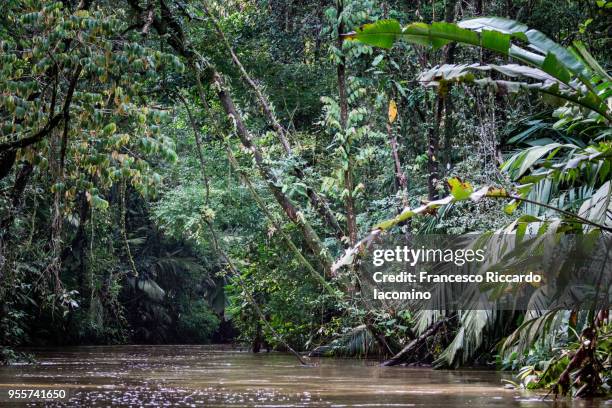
216 376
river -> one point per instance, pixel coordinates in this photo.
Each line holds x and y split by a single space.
217 376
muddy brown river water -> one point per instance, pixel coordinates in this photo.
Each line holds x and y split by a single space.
213 376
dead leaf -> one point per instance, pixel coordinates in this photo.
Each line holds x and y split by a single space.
392 111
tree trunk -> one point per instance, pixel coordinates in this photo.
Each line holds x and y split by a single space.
449 58
318 202
401 181
433 144
76 250
443 105
21 181
312 239
349 201
168 27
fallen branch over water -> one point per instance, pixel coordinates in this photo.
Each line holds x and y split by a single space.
413 346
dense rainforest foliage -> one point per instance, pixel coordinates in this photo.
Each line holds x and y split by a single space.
206 171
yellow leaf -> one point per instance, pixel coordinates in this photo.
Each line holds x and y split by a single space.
392 111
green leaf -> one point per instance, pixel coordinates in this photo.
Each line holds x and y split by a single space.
552 66
546 45
496 41
590 61
109 129
518 164
382 34
525 56
58 187
459 189
151 289
500 24
442 33
378 59
596 208
99 203
511 207
495 34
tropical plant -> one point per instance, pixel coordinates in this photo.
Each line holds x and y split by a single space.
547 172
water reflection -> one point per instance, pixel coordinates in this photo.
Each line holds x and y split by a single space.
214 376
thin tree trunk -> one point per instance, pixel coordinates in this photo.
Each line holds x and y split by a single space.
401 181
169 28
7 159
441 106
318 202
449 58
236 273
76 249
246 180
433 145
349 201
258 339
263 100
198 141
379 336
312 239
21 181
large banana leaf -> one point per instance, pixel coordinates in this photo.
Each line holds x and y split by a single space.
492 33
461 72
385 33
497 34
559 58
548 85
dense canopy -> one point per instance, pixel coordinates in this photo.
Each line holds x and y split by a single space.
212 171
